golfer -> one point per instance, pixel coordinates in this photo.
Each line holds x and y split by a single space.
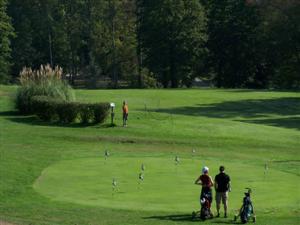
206 182
125 113
222 186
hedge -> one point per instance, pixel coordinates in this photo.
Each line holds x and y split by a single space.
101 111
86 113
50 109
67 111
44 107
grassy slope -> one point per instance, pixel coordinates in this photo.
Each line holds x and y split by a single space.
227 125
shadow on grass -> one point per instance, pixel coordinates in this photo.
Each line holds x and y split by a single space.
251 111
188 218
261 90
177 218
225 222
33 120
291 122
9 113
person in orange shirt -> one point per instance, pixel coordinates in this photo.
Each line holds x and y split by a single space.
125 113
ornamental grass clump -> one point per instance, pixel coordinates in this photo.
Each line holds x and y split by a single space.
45 81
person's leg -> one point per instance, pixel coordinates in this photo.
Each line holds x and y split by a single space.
218 203
125 119
225 202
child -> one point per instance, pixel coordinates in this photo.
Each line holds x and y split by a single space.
125 113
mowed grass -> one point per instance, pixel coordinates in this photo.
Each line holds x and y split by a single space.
166 186
54 174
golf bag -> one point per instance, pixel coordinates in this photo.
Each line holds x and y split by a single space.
246 211
205 201
205 212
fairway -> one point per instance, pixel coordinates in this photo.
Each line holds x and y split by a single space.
53 173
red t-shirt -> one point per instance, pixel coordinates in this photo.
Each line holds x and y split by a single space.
206 181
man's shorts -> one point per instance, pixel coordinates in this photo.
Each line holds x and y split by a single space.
222 196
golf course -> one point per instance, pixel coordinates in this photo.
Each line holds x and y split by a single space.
59 174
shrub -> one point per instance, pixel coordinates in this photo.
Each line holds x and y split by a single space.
101 111
43 82
44 107
50 109
67 111
86 113
94 113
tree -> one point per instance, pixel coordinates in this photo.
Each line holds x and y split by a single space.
171 34
31 21
6 33
114 40
90 38
282 41
233 31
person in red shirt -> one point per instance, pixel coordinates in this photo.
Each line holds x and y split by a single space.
206 182
125 113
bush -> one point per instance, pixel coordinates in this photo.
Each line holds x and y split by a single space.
50 109
67 111
42 82
101 111
86 113
94 113
44 107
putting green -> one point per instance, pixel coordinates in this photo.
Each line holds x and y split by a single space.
166 186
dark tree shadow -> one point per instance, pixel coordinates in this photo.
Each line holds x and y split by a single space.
251 111
291 122
261 90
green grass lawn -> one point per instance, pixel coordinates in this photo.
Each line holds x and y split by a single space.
54 174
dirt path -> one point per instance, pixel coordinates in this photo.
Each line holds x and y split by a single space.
5 223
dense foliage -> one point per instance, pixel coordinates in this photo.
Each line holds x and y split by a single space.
234 43
172 36
51 109
6 32
43 82
233 29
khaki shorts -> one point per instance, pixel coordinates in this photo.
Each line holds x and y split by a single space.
222 196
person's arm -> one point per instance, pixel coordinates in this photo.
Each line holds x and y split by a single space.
229 186
216 184
198 181
211 181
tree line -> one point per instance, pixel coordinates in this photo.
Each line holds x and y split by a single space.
232 43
